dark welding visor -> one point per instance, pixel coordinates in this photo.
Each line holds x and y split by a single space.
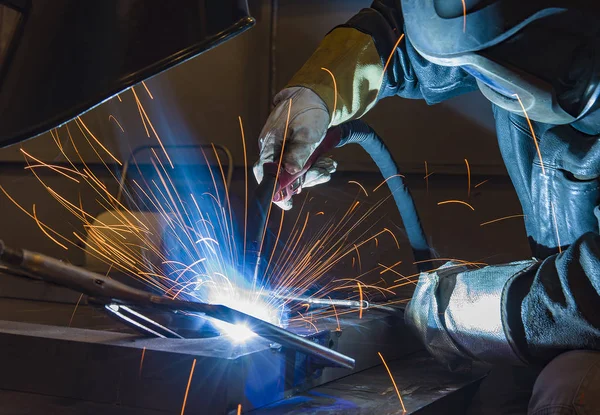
59 58
546 53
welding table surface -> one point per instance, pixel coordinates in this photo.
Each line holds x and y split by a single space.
421 381
425 386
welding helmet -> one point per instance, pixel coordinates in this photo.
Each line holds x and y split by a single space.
546 53
59 58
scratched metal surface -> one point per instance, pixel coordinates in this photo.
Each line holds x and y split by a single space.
426 389
424 385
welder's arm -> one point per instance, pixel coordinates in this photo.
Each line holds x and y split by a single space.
357 52
355 55
525 312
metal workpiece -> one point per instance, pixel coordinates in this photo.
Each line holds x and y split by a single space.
111 370
127 371
425 386
107 290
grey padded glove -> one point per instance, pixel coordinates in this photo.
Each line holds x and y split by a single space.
460 314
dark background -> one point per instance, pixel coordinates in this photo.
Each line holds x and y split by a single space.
200 101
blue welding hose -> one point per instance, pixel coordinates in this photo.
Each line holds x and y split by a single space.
358 132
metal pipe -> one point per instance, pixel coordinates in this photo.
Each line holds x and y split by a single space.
364 304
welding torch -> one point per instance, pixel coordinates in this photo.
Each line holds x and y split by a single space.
109 292
278 185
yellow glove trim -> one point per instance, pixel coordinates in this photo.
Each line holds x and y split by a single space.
351 57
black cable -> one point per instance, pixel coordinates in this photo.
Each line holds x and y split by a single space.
358 132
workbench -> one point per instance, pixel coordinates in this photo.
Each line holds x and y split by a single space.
65 360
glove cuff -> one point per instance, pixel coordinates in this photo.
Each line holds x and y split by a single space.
352 58
423 316
461 315
475 316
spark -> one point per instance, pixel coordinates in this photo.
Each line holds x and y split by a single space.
276 240
139 107
142 110
98 141
334 94
480 183
426 178
360 310
75 309
402 277
39 224
468 178
464 5
337 319
389 59
537 147
456 201
147 90
393 381
239 409
462 261
393 236
57 169
386 180
501 219
142 362
246 190
555 227
187 389
358 256
311 323
200 262
390 268
115 120
359 185
226 191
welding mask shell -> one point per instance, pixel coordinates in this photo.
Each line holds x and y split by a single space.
546 53
59 58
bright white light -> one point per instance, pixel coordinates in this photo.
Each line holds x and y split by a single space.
238 333
256 306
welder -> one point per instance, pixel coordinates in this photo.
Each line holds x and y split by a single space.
538 62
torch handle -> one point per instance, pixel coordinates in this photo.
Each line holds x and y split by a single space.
291 184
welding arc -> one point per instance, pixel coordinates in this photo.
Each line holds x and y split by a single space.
103 288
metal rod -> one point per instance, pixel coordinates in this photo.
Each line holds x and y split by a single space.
364 304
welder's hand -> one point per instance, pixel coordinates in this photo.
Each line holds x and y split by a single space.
308 123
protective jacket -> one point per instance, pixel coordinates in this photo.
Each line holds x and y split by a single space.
558 186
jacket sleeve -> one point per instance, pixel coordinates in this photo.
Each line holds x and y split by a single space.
560 309
347 69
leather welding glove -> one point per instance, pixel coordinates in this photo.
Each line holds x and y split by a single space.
464 315
338 83
308 123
